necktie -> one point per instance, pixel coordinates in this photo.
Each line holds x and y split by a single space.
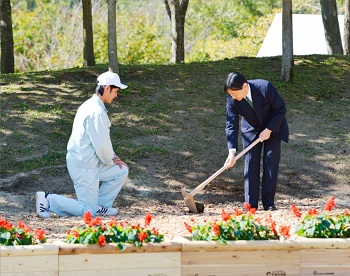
250 102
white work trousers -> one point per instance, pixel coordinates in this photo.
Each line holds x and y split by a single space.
89 192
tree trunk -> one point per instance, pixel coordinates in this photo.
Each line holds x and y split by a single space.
177 12
6 34
331 27
89 57
287 72
347 28
112 37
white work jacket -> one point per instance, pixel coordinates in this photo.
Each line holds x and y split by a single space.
90 141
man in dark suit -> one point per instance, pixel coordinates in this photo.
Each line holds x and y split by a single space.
264 117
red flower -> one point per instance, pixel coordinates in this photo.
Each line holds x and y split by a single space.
135 226
142 236
284 230
101 240
237 212
273 225
253 211
312 212
96 222
3 223
22 225
257 220
225 216
112 222
148 219
40 234
346 213
246 206
216 229
87 217
330 204
6 225
295 211
75 233
188 227
155 231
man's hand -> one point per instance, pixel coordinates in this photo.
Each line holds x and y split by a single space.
118 161
265 134
231 160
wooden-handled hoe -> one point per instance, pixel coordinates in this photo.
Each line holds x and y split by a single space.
196 207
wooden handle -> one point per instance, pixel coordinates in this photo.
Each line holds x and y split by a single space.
203 184
247 149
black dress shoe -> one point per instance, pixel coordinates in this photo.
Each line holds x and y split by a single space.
270 208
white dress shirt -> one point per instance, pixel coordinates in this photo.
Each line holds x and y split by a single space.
249 96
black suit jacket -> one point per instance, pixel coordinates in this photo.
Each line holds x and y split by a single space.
269 112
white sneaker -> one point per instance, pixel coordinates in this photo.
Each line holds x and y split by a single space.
106 211
42 205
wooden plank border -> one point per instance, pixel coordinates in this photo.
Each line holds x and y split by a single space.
181 256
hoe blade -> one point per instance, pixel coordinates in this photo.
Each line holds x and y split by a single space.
189 202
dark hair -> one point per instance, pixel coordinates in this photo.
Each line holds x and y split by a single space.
100 88
234 81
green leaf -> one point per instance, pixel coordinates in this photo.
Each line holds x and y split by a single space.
309 232
121 246
326 223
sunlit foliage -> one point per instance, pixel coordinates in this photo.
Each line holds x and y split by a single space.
49 34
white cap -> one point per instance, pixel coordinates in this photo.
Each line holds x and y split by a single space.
110 78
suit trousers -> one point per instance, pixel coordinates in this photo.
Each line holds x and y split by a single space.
89 192
271 149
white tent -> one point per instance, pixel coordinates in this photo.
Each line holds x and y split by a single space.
308 36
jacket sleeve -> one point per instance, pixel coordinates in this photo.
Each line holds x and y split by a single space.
98 128
278 107
232 124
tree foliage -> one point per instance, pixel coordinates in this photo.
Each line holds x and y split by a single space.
49 33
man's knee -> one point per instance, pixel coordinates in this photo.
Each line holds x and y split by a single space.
124 171
120 174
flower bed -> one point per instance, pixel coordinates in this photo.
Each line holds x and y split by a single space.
237 244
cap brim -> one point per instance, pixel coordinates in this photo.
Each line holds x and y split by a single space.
123 86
